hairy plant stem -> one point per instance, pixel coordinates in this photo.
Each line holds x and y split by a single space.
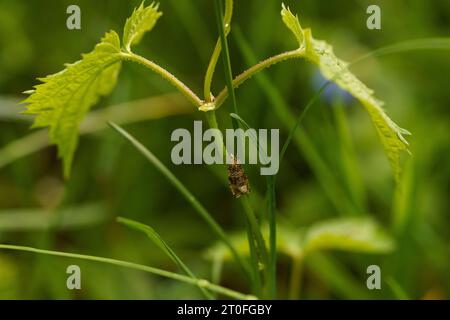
210 72
297 53
184 89
201 283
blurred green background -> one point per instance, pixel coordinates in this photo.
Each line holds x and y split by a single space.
341 171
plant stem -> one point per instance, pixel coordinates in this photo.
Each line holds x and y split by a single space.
210 72
256 230
163 273
271 261
211 118
124 113
226 58
255 69
216 53
258 254
158 241
185 90
255 276
272 236
257 237
256 280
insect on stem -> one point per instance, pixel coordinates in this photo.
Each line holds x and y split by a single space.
239 184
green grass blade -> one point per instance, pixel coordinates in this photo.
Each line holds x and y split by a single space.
254 138
421 44
259 239
184 191
272 235
226 56
397 290
270 180
163 273
158 241
254 231
254 273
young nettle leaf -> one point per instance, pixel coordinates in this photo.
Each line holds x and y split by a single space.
292 23
334 69
142 20
64 98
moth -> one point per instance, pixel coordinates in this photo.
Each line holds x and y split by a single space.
237 179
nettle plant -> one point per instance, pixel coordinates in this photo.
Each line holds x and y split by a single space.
63 99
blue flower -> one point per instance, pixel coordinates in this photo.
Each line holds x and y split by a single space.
332 91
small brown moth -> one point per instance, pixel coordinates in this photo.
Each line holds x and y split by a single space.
237 178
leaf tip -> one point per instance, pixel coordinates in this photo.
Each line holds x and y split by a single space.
142 20
293 24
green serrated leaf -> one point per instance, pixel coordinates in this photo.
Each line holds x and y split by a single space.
391 135
141 21
64 98
350 234
292 23
334 69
